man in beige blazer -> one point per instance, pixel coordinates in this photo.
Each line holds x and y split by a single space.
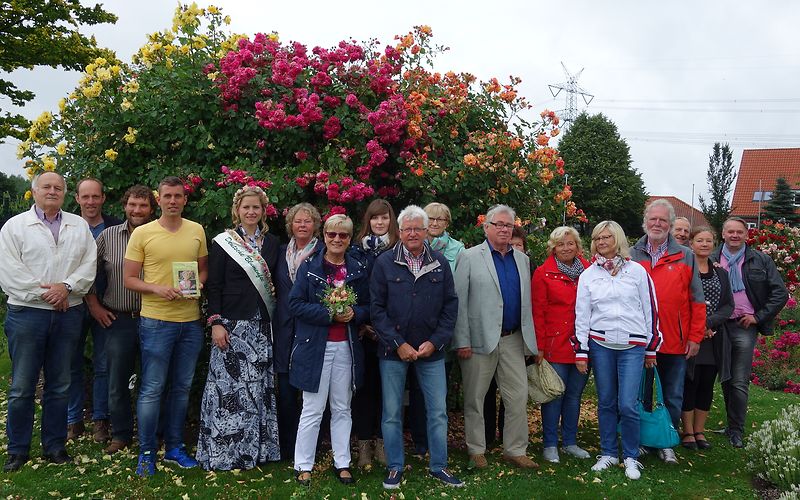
494 333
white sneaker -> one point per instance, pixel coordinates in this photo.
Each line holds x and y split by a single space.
632 467
551 454
604 462
668 456
576 451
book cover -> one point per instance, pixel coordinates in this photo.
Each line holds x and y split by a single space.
185 278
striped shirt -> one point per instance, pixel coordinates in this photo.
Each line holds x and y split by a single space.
656 254
111 246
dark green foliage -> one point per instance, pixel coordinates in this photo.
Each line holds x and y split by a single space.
720 176
604 184
43 33
781 206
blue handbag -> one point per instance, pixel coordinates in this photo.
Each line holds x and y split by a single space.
655 427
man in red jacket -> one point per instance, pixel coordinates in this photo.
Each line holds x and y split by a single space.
681 304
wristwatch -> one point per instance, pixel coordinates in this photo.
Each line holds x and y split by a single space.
68 287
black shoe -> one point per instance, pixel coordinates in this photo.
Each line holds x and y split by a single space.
59 457
15 462
344 479
702 444
736 440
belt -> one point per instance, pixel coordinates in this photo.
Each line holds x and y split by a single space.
506 333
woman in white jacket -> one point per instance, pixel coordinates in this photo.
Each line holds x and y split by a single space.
616 326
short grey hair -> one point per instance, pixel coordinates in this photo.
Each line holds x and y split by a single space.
661 202
36 179
498 209
410 213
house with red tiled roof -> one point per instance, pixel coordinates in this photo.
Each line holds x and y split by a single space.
755 181
683 209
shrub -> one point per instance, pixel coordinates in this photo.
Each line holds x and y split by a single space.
782 243
776 359
774 449
332 126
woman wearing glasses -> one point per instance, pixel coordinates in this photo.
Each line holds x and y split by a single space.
438 237
616 327
327 358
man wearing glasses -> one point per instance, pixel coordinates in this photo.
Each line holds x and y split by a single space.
413 310
494 333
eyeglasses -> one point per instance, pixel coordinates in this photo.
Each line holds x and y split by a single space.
409 230
502 225
603 238
437 219
332 235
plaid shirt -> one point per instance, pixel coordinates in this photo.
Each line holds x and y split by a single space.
414 263
659 252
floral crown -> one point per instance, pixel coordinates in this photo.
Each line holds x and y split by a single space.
249 190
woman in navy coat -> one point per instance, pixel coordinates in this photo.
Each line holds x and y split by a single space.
327 358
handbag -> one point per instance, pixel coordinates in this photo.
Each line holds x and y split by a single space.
544 384
655 427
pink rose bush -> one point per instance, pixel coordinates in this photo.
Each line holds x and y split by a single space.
333 126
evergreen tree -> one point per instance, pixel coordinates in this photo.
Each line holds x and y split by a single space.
604 184
720 176
781 206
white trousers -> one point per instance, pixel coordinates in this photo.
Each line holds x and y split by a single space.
335 386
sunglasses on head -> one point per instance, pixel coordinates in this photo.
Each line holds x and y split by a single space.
332 235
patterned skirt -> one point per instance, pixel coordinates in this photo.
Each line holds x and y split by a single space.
238 419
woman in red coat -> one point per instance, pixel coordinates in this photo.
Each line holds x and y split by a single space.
554 288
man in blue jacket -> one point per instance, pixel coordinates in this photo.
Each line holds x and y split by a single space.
413 309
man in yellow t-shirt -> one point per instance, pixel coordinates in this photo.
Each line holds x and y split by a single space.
170 332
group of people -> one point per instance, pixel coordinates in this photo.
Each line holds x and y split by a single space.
415 302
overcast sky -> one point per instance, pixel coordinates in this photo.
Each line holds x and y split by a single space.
674 76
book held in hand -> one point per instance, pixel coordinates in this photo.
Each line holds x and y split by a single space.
185 278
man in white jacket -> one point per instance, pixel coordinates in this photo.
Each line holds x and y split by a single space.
49 262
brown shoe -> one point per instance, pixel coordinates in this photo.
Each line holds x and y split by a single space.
74 431
116 446
478 461
522 461
100 434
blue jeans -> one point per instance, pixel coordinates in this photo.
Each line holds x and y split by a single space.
99 374
169 355
122 346
672 373
565 409
434 389
38 339
617 375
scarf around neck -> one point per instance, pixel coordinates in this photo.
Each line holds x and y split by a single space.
734 271
295 256
375 243
572 270
611 265
439 243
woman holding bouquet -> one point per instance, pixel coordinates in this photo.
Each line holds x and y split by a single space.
329 300
238 421
379 232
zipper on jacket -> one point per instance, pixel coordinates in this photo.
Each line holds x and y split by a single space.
352 358
291 355
680 329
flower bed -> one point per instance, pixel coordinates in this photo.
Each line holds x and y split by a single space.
774 449
776 359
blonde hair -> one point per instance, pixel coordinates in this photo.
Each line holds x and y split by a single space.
559 234
619 237
241 194
339 221
312 212
436 210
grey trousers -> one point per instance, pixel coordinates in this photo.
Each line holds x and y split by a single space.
737 389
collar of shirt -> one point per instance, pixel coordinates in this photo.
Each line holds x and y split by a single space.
493 250
659 251
415 263
40 214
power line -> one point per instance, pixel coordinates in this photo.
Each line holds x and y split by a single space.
710 101
701 110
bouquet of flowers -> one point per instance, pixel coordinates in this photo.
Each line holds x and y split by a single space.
338 299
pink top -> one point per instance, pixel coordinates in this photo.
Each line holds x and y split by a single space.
741 303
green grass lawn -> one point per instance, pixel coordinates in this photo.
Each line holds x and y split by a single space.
716 473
